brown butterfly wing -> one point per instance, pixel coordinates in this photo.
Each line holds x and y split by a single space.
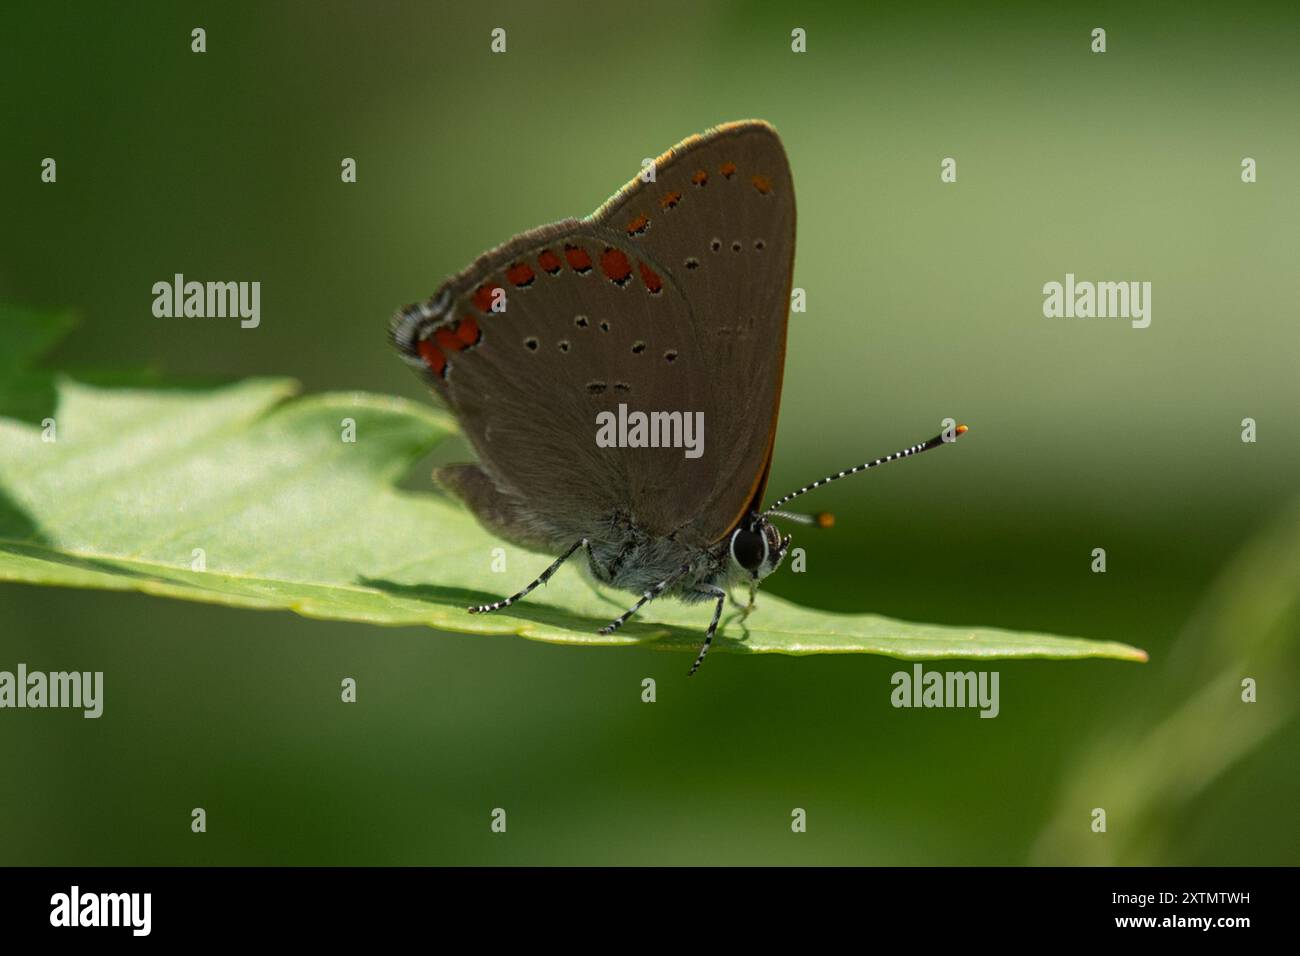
604 312
589 323
720 217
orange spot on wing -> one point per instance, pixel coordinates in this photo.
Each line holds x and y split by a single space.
483 297
520 274
549 262
651 279
468 332
670 200
727 169
762 184
447 340
638 225
578 259
615 265
433 357
700 178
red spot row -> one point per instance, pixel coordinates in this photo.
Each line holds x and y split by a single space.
701 178
465 334
449 339
617 268
614 263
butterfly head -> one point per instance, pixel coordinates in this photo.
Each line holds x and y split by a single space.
757 547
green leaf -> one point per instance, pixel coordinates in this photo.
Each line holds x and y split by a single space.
25 337
1193 726
139 482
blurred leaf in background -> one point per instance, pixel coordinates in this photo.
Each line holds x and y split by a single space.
1232 684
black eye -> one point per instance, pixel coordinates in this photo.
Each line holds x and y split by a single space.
749 549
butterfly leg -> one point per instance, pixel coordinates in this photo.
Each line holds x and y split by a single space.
721 595
542 579
646 598
745 609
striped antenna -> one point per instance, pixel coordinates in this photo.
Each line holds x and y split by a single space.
822 519
934 442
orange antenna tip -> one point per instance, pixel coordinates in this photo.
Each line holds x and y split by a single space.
825 519
962 429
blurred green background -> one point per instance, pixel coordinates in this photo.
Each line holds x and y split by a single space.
924 301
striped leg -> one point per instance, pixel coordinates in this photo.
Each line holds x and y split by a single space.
646 598
721 595
545 576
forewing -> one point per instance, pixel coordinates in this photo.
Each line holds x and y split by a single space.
720 218
672 297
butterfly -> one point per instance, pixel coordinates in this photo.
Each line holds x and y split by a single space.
670 299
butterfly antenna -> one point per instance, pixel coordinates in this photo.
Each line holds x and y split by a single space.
775 509
822 519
